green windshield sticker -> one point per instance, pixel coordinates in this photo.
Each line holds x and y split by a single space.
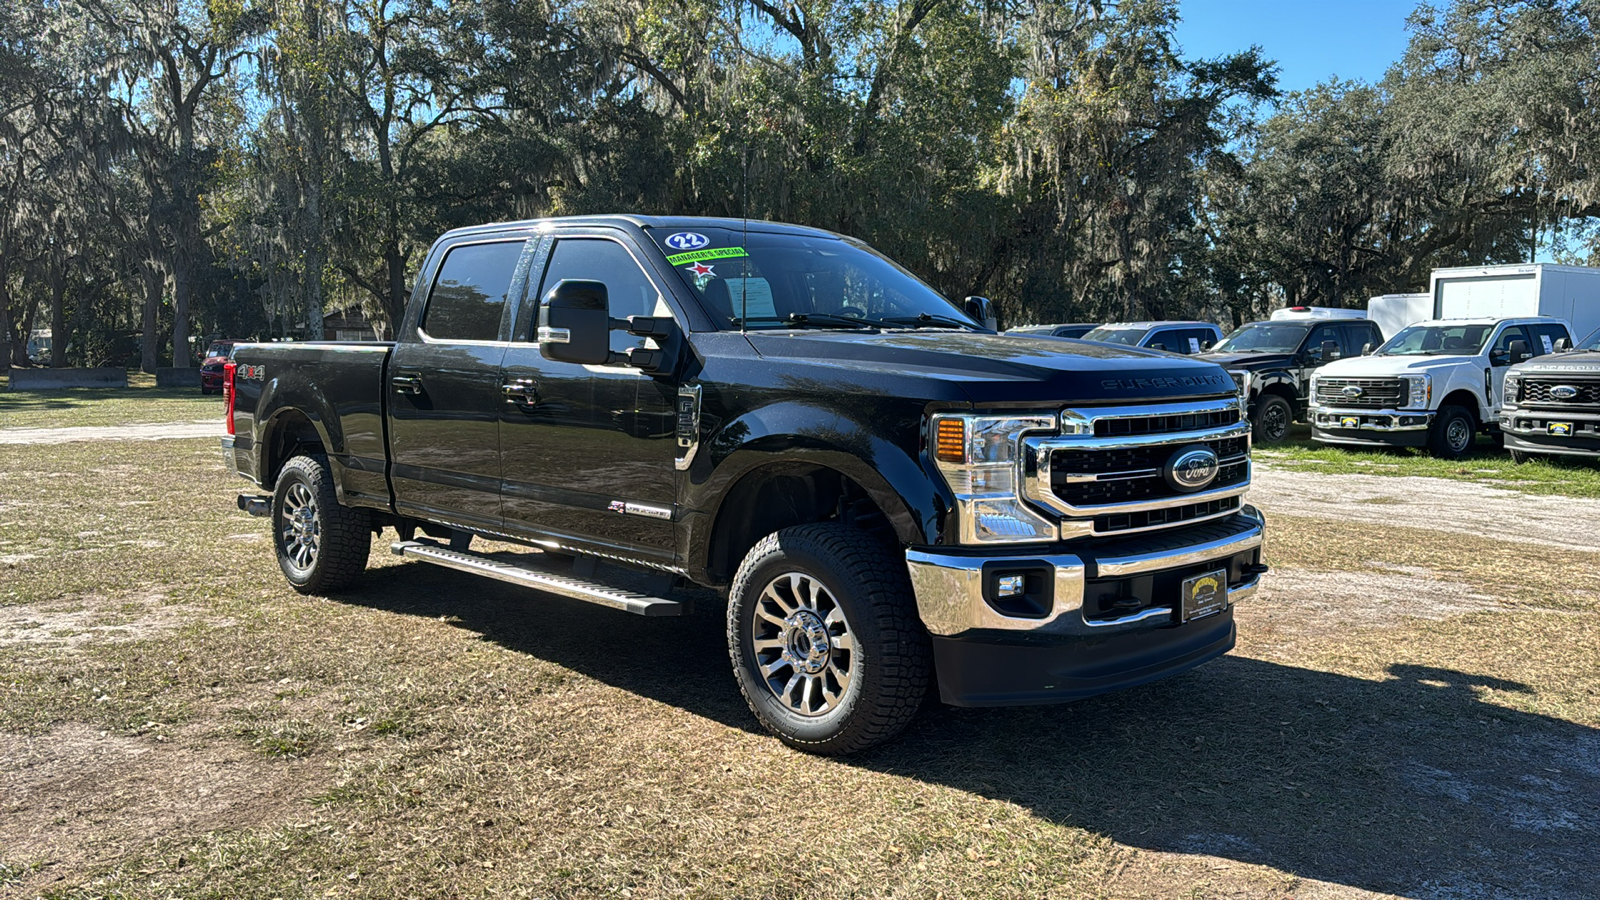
679 259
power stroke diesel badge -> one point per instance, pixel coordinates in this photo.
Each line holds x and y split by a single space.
1191 469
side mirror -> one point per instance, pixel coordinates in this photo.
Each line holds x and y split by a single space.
1206 344
1520 352
575 323
1330 351
1366 349
982 309
1157 345
1562 345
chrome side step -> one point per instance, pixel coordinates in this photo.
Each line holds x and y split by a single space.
539 579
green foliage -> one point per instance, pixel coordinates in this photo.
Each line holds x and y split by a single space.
247 165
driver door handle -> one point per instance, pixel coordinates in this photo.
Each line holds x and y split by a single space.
407 384
523 392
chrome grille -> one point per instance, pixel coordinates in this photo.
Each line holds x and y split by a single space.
1111 477
1375 393
1537 390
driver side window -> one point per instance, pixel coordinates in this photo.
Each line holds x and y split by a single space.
629 292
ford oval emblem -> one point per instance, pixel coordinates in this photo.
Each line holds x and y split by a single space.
1353 391
1563 392
1191 469
687 240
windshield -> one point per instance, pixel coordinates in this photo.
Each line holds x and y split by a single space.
1437 340
1264 337
1592 342
1128 336
762 280
219 349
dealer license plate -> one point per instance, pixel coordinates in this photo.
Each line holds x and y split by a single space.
1559 429
1204 595
1349 422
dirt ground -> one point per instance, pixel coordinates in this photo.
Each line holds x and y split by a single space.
1412 711
95 433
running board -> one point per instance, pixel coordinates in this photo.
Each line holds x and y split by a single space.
539 579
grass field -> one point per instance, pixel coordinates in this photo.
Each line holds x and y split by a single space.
1409 712
140 402
1487 463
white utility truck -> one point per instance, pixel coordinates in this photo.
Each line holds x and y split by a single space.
1438 383
1393 312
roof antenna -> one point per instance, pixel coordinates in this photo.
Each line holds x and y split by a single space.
744 240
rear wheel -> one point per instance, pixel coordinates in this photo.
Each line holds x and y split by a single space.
825 640
321 545
1452 433
1273 417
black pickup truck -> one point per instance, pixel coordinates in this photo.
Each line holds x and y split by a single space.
1552 404
890 494
1272 363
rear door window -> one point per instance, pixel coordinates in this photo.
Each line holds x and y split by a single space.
469 295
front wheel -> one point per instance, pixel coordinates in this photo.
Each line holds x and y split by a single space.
1519 457
1452 433
321 545
1273 415
825 640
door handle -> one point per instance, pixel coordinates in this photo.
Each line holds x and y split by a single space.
407 384
523 392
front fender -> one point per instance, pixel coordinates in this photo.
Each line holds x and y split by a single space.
871 450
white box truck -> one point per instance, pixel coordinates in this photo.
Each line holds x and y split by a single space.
1393 312
1569 293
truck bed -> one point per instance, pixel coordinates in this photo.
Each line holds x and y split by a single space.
334 388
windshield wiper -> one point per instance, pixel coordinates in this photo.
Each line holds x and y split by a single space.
928 320
816 320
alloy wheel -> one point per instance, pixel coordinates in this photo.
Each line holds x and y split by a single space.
302 526
803 644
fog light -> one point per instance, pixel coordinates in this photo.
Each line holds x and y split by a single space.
1011 586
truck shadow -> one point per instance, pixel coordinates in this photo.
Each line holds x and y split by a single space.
1424 782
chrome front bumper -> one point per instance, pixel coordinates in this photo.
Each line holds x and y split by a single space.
1383 420
950 588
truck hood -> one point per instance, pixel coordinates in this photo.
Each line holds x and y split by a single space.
1248 362
1379 366
992 368
1577 362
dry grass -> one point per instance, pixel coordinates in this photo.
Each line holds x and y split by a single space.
181 724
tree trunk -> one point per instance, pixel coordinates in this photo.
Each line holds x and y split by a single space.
182 357
395 303
58 319
155 281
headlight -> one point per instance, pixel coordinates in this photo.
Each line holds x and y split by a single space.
1241 381
1311 388
1513 379
1421 394
980 458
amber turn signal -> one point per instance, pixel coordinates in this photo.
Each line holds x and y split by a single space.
950 440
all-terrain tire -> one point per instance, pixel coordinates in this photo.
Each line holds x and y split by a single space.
1520 457
1273 417
321 545
851 577
1452 433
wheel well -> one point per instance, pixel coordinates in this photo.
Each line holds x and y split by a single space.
1465 400
781 495
289 435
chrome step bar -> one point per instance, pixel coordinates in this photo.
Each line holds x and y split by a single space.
539 579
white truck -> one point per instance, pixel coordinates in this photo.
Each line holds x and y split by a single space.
1436 384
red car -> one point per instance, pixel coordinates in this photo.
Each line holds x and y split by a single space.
211 367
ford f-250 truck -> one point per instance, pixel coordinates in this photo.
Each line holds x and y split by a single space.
1552 404
888 491
1436 384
